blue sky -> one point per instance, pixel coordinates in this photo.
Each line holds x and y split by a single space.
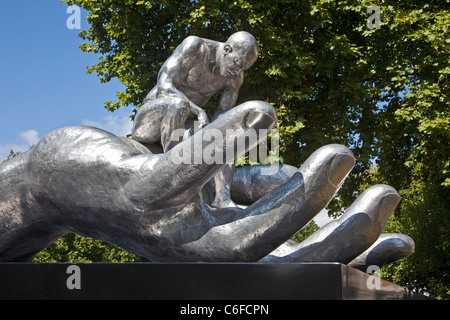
43 79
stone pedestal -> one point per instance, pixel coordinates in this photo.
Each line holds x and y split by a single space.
194 281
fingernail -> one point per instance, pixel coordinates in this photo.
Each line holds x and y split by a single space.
261 115
340 167
259 120
388 204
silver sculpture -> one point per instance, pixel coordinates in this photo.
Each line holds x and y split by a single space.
90 182
198 69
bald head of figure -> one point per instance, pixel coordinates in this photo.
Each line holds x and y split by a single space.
238 53
246 44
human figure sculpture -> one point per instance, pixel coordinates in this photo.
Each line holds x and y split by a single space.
90 182
197 69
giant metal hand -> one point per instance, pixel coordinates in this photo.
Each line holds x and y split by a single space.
90 182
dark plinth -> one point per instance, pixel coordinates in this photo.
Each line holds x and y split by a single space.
194 281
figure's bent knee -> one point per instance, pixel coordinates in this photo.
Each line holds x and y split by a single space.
178 103
181 109
155 113
147 122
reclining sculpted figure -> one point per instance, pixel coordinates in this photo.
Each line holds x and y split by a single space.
90 182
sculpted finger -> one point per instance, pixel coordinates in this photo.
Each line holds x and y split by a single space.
344 239
324 172
252 233
250 183
389 247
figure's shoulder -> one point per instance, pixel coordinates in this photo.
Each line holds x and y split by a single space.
192 43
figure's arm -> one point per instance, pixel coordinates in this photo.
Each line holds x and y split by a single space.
175 70
177 66
229 95
231 92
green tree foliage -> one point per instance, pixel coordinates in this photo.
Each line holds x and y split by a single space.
384 92
11 155
308 230
424 214
74 248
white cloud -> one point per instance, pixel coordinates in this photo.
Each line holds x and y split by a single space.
30 136
118 125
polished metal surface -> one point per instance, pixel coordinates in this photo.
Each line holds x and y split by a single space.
164 206
389 248
344 239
